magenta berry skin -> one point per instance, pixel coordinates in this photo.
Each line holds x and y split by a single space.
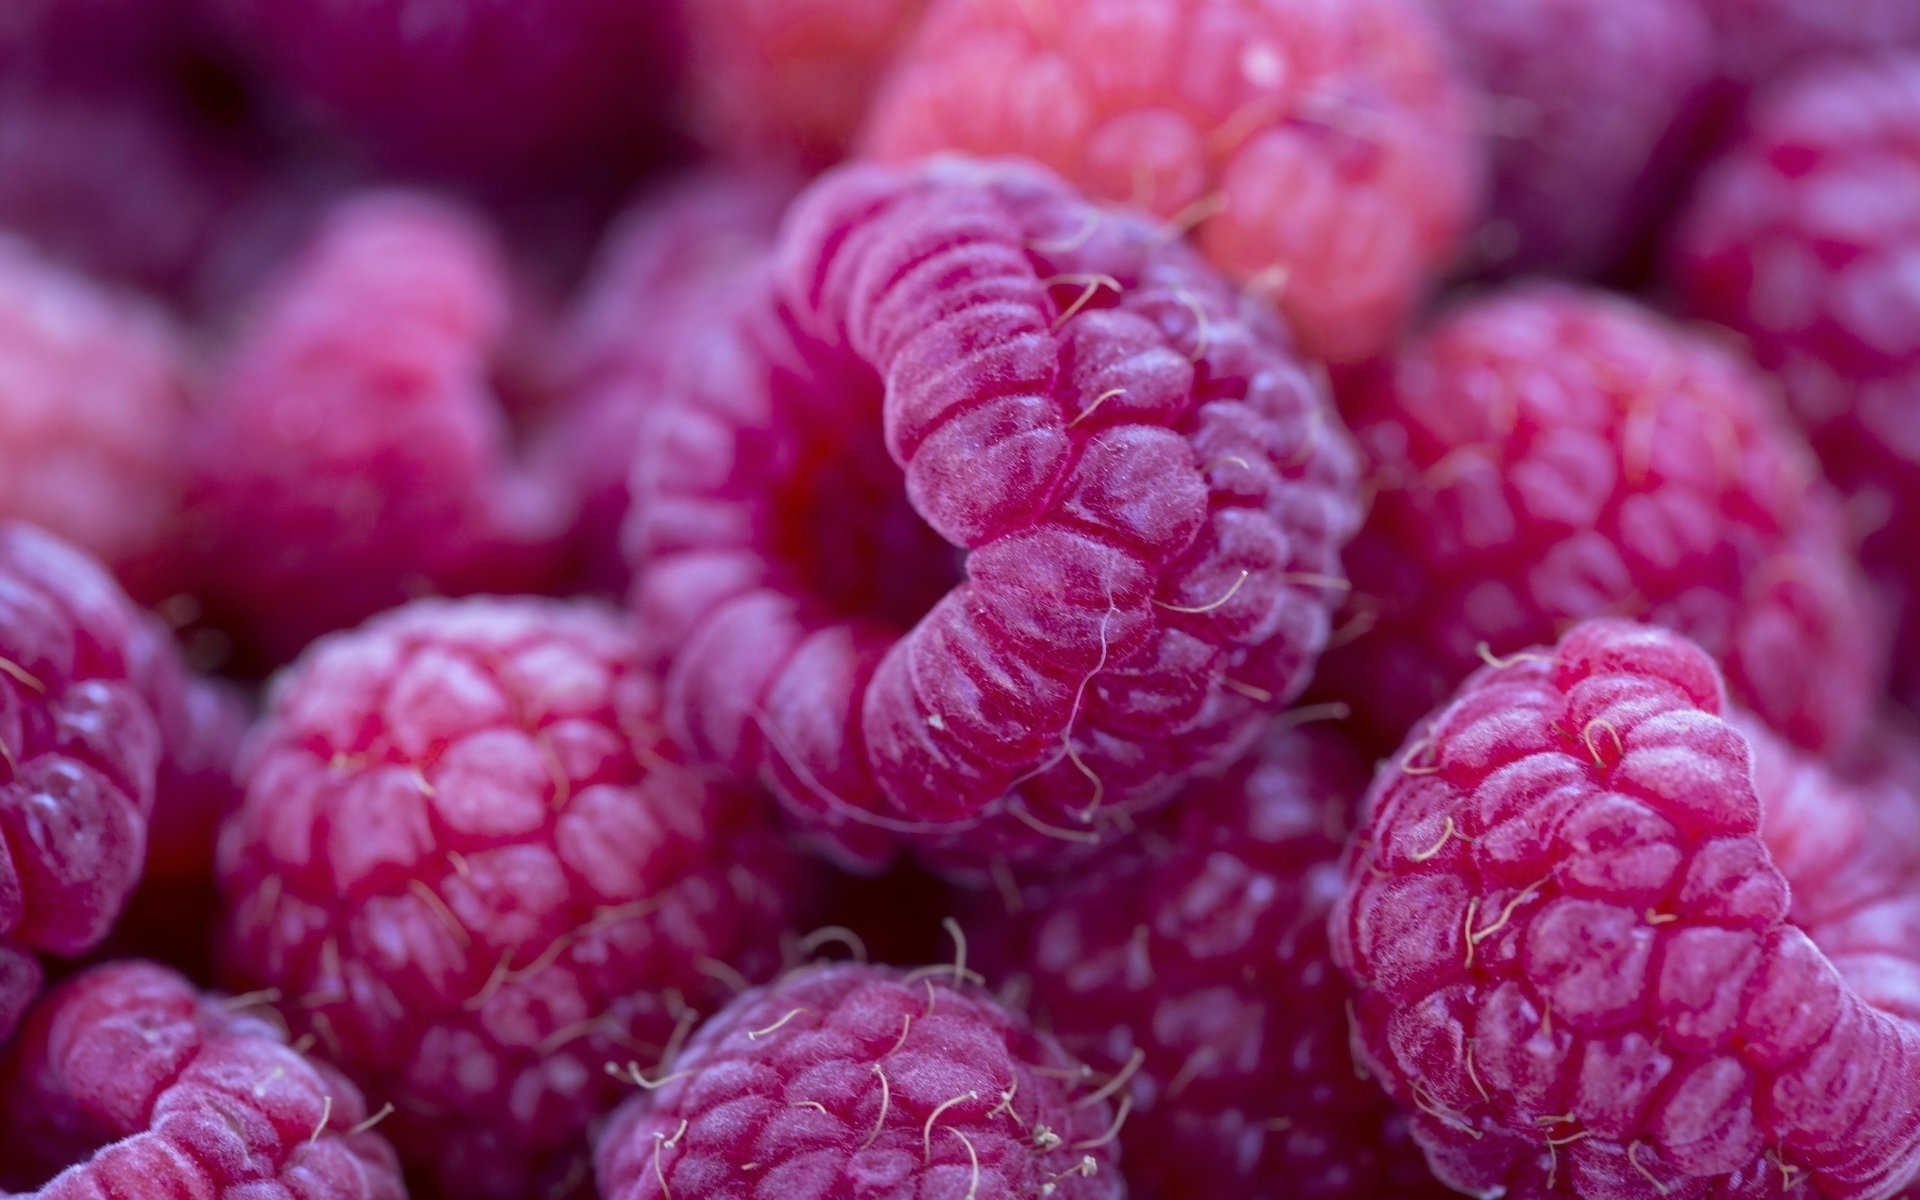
1762 41
355 453
1544 454
1321 154
1801 241
79 750
486 88
870 1084
93 418
1583 965
1587 107
476 871
1196 960
127 1082
986 519
666 262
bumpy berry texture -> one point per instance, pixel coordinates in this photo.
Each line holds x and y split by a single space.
79 749
987 519
1195 964
488 87
862 1082
94 406
1802 240
355 452
1318 153
127 1082
1543 455
1760 41
1587 108
472 865
1589 972
790 80
659 269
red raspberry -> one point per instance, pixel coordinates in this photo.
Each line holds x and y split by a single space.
1761 40
860 1081
790 79
1195 964
1803 241
1579 960
991 517
1589 105
93 413
492 87
1544 455
474 868
1318 152
79 748
656 272
128 1083
357 453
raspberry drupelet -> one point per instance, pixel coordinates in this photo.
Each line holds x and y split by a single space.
128 1082
1761 41
474 869
1194 963
79 751
789 80
1544 454
665 262
356 453
94 407
865 1083
1802 241
1320 154
1605 950
985 518
1588 107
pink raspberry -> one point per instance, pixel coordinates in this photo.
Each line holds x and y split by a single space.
1543 455
94 405
357 453
790 79
498 88
1581 962
860 1081
1318 153
129 1083
79 748
657 271
477 872
1588 109
1802 240
1194 964
988 517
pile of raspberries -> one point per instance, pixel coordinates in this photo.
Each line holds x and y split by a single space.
959 599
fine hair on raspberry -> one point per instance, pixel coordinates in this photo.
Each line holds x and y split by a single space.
985 517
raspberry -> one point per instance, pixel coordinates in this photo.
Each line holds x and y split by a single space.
1328 165
79 748
127 1082
1578 959
1761 40
1802 241
655 272
1589 106
988 518
476 871
1195 964
860 1081
1543 455
494 88
357 453
790 79
93 413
